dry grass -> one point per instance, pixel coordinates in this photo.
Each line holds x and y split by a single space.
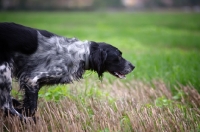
113 107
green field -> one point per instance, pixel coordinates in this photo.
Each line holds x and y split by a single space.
164 47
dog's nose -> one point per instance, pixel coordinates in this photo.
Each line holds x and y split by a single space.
132 66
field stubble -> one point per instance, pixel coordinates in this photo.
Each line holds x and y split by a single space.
115 106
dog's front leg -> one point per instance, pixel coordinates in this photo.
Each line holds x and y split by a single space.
31 89
30 101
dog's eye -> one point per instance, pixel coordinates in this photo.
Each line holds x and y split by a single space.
117 59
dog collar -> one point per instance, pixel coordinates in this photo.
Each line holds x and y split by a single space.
87 51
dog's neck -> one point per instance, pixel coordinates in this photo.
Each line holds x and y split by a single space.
87 53
78 50
82 50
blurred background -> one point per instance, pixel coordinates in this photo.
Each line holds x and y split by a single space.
186 5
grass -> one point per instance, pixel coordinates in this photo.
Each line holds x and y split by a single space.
159 95
106 107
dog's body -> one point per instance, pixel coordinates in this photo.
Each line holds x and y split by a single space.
37 57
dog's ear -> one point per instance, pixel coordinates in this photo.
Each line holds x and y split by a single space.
97 59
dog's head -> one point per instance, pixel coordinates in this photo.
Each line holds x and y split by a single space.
106 58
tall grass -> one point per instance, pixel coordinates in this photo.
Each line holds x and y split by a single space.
106 107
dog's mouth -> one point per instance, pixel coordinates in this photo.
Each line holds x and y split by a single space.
118 75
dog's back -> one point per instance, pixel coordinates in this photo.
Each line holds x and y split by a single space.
17 38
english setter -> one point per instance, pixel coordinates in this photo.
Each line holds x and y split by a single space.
38 57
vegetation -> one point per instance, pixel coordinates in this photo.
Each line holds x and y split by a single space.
159 95
104 107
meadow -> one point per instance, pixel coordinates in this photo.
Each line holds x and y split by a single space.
161 94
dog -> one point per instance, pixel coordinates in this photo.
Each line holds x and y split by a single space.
37 57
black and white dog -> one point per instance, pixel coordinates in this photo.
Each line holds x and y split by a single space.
37 57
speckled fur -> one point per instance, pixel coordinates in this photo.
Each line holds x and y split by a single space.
57 60
5 89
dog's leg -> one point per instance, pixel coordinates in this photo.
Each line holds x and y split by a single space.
15 102
5 89
30 101
31 89
17 105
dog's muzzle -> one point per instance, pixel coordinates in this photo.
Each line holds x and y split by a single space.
122 74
